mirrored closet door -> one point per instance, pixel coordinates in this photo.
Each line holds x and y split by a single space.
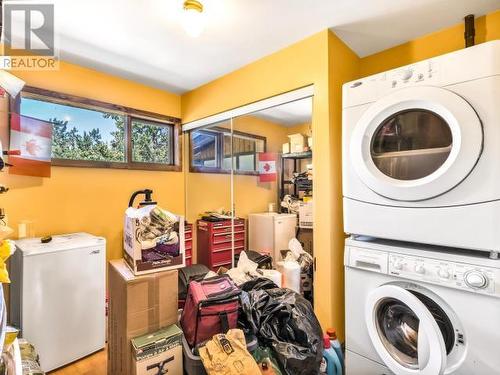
249 187
273 183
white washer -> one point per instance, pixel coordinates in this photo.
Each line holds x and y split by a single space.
419 309
421 151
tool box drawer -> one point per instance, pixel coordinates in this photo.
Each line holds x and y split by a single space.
227 237
214 241
227 245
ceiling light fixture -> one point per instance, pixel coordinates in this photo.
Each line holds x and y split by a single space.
193 19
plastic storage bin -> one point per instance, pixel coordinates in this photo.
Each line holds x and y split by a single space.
192 362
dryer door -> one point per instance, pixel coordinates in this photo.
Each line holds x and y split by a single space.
404 332
416 143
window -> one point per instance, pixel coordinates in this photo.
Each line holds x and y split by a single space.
88 133
79 133
204 148
211 151
151 142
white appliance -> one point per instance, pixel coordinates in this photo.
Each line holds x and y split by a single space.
419 309
58 296
421 147
270 232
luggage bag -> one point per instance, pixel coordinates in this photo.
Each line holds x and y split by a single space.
211 307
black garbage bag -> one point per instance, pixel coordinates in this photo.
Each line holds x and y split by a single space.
285 322
260 283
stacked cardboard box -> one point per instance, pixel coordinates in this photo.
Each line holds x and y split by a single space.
159 352
137 305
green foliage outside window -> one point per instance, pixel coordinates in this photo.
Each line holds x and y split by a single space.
151 142
69 143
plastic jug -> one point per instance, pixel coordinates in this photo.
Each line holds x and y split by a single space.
331 363
290 271
335 344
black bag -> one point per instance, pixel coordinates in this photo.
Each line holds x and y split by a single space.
285 322
194 272
264 261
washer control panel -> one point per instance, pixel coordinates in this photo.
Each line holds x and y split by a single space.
452 274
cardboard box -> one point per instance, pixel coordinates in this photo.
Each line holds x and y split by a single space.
153 240
158 353
297 142
285 148
137 305
310 142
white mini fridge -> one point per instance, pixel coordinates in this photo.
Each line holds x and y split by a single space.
270 232
58 296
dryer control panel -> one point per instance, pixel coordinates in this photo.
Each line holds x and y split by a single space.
449 69
459 275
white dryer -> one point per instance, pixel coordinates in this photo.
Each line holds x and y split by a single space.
411 310
421 151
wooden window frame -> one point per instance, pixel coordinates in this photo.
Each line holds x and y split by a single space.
129 113
220 152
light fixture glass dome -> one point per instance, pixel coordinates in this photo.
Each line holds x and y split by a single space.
193 19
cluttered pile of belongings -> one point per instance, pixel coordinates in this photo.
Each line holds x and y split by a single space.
242 321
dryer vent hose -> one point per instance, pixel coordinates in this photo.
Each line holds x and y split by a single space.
470 31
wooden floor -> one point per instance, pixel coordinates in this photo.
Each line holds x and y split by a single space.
95 364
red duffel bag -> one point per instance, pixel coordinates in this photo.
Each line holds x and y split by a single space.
211 307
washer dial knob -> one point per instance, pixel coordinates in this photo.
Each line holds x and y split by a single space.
407 74
444 273
419 268
398 264
476 279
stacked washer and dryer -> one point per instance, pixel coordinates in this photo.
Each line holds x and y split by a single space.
421 179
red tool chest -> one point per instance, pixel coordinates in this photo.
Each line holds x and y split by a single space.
188 238
214 242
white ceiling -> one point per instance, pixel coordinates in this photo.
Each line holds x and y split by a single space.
143 40
289 114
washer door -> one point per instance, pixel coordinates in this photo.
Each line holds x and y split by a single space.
404 332
416 143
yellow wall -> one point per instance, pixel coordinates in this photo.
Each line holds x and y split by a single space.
81 199
304 63
305 129
435 44
343 66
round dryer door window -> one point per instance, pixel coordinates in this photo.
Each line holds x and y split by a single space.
416 143
409 331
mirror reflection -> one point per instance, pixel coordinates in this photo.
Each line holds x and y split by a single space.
208 197
250 188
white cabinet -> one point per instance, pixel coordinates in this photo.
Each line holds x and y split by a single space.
58 296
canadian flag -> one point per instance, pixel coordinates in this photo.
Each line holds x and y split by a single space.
33 138
267 167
